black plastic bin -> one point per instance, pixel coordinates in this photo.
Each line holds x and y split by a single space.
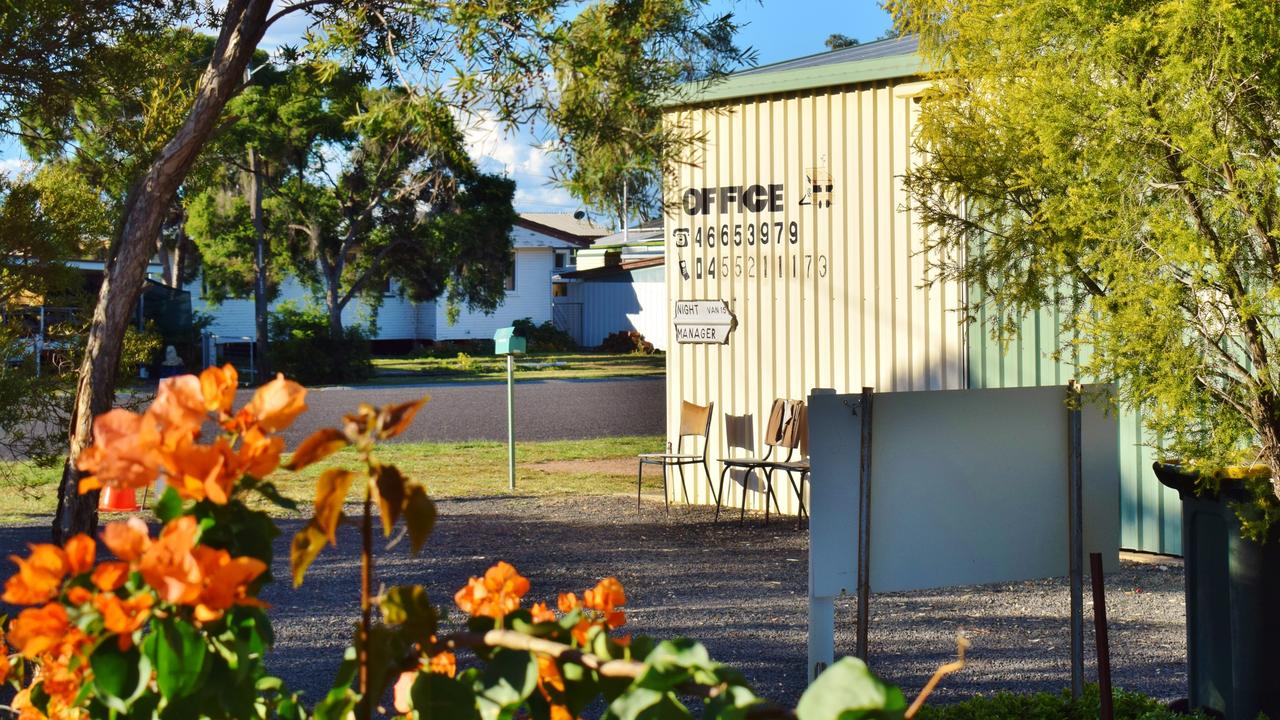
1233 603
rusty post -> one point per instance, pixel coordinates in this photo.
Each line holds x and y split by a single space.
864 528
1075 540
1100 636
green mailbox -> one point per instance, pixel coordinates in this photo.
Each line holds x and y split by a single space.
506 342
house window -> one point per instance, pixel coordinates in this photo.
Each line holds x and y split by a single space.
559 289
510 283
566 258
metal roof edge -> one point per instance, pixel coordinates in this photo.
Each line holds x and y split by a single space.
855 71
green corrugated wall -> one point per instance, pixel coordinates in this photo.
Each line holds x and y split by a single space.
1150 514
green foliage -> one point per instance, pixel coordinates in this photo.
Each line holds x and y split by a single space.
1053 706
545 337
219 224
301 347
849 691
615 65
1117 161
837 41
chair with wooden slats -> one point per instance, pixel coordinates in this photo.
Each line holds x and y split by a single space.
781 434
798 467
695 422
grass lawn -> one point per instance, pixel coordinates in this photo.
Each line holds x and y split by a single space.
558 366
465 469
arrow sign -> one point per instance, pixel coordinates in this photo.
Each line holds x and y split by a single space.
703 321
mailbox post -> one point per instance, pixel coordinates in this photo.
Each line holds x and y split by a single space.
506 342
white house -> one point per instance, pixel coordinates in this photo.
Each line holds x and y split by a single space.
618 286
543 243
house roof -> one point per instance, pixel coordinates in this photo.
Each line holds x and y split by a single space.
608 270
562 226
880 60
636 235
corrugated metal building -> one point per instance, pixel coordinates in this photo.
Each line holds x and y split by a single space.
628 296
792 211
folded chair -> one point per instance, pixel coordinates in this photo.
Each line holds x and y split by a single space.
695 422
782 433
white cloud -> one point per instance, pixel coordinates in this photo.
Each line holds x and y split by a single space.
536 196
519 156
13 167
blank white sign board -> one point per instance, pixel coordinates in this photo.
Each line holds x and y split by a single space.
967 487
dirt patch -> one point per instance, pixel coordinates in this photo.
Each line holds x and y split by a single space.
608 466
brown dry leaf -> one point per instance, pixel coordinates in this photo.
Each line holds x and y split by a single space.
419 516
331 491
390 486
393 419
361 421
307 544
318 446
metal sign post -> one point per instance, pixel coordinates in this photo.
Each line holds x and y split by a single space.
506 342
511 422
1075 520
864 528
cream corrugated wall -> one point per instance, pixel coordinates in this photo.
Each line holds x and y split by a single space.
844 305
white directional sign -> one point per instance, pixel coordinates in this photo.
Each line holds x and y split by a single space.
703 321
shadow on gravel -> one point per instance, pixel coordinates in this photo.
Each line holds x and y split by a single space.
742 592
739 590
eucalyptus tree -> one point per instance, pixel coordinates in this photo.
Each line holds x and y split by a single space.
1121 159
453 55
394 196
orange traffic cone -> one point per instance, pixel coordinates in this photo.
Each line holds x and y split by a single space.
118 500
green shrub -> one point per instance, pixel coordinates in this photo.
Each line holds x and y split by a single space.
627 341
1050 706
302 349
465 362
545 337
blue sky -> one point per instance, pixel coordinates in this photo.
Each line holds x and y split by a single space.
776 29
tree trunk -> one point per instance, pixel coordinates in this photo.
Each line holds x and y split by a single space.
332 280
259 266
243 23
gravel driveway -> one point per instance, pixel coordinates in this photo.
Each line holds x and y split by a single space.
741 591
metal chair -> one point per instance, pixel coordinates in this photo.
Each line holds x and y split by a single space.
695 422
782 433
800 466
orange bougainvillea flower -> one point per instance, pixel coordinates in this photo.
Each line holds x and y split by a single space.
39 577
226 582
401 697
123 617
218 386
179 406
198 472
605 598
127 540
542 613
495 595
168 564
109 576
124 454
37 630
258 455
80 552
274 406
78 596
568 602
443 663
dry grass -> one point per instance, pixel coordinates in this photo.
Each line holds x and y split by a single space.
540 366
460 469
